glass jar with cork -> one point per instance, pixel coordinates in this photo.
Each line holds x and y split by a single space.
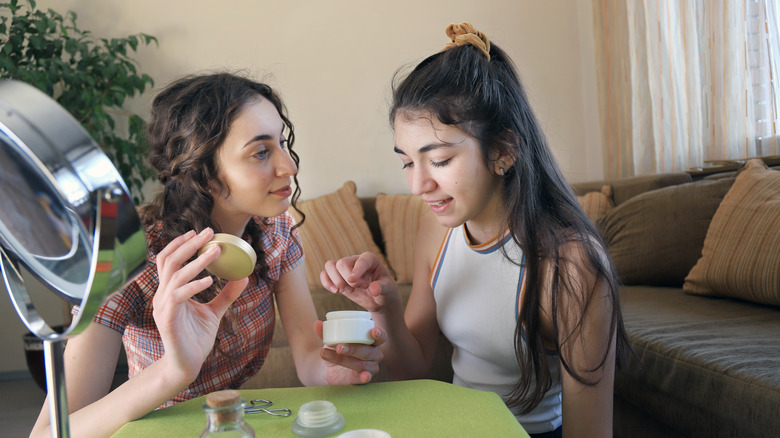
225 416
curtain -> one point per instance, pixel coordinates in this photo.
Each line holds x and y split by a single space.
682 82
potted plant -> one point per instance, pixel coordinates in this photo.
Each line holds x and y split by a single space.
90 77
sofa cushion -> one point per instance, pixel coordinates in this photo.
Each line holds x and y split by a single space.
655 238
707 366
741 254
399 218
597 204
334 228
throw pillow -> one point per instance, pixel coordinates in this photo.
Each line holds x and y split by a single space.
334 228
741 254
656 237
597 204
399 217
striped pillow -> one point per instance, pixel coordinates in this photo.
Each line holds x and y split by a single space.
334 228
399 217
741 254
597 204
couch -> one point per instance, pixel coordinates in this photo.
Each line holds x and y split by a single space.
707 352
700 305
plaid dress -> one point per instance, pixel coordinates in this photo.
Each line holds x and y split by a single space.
239 352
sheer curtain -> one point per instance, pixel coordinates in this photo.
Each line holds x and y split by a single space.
686 81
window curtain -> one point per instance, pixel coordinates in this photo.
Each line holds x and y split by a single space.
682 82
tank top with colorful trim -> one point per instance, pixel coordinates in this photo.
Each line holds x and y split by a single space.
478 293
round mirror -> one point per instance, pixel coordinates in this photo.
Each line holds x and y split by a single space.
67 218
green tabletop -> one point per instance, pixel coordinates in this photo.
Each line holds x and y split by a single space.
415 408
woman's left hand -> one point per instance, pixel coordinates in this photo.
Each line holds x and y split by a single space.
188 328
348 364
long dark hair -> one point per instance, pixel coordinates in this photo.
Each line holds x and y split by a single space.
189 122
486 99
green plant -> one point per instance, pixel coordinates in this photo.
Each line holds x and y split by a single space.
90 77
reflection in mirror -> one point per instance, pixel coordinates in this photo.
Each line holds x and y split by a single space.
38 228
29 212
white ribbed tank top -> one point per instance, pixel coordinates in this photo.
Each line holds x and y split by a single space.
478 293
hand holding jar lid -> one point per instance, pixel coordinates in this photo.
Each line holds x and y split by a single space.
237 259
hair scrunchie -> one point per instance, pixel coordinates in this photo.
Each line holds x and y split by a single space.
465 33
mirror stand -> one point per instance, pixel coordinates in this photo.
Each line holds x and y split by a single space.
55 385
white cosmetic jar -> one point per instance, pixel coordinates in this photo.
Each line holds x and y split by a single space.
347 327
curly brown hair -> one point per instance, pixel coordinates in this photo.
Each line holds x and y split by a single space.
190 120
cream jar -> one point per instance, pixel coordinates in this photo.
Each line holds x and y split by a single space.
347 327
318 418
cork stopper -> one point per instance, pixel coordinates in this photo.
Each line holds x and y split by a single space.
223 398
225 404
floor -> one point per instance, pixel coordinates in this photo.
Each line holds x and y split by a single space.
21 400
20 404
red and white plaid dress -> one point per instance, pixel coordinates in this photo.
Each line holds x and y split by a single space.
129 312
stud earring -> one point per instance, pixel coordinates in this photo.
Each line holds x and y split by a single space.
501 171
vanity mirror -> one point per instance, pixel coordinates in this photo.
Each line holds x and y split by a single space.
66 217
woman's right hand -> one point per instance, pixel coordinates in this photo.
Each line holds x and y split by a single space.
188 328
363 279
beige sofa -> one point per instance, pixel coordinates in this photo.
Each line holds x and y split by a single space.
704 366
707 365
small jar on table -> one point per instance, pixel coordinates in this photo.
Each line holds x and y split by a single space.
225 415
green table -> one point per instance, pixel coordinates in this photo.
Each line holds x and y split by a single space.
415 408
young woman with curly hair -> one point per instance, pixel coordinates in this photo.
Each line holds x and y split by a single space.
222 145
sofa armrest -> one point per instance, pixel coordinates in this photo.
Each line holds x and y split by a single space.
626 188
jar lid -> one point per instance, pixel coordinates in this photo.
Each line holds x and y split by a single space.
236 260
348 314
365 433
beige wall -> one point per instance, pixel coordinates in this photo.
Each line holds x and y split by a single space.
332 61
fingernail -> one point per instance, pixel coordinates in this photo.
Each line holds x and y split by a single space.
344 349
204 231
334 289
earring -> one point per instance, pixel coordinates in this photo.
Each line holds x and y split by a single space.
501 171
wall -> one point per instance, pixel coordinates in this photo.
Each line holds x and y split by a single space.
332 61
